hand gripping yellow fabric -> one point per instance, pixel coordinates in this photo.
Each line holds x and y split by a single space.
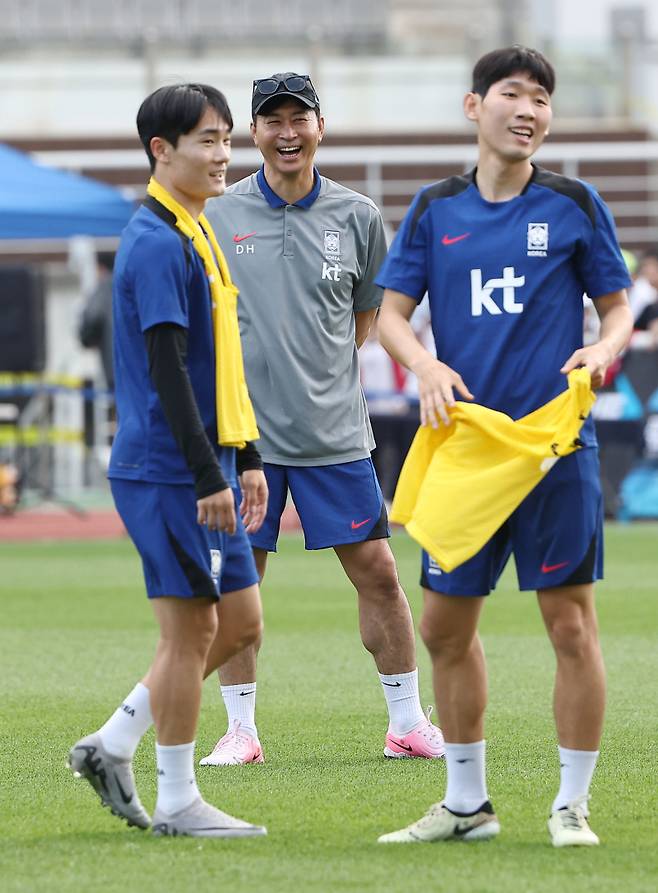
236 420
461 482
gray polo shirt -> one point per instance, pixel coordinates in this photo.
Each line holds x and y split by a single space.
303 270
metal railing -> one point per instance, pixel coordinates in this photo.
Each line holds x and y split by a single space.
626 173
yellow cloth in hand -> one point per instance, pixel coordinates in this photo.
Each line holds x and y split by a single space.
460 483
236 420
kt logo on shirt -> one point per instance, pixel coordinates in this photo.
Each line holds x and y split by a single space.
481 295
331 269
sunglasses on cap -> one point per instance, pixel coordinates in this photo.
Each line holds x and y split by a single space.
296 83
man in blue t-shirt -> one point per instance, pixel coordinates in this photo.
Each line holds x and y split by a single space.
173 484
505 254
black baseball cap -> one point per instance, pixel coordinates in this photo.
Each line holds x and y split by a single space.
286 83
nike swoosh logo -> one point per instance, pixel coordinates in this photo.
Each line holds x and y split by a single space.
448 240
127 798
237 238
243 694
460 830
403 746
467 760
356 525
548 568
392 684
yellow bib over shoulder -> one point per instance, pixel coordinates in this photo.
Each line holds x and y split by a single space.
236 420
460 483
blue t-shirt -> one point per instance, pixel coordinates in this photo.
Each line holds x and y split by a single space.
506 280
156 280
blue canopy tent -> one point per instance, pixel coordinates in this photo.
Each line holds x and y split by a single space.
38 202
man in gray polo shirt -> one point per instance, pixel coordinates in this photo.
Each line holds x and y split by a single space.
305 254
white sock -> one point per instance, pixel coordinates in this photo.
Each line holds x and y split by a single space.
177 786
403 701
466 790
576 771
126 727
240 703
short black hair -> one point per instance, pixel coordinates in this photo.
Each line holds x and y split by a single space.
499 64
175 110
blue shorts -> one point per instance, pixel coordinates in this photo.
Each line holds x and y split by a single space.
556 535
337 504
180 557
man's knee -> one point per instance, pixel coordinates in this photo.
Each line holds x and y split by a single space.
189 624
448 641
250 634
377 579
439 643
570 619
240 619
573 635
204 628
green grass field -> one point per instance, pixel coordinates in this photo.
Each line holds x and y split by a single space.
77 632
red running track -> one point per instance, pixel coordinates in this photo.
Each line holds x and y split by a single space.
58 524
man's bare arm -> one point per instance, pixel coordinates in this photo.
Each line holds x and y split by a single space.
616 329
436 381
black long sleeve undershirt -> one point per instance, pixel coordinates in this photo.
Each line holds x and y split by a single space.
166 345
248 458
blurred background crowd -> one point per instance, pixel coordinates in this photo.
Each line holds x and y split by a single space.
391 75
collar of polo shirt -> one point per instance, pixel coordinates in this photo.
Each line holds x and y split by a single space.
275 201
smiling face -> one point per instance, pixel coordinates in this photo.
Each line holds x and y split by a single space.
195 168
288 138
512 119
